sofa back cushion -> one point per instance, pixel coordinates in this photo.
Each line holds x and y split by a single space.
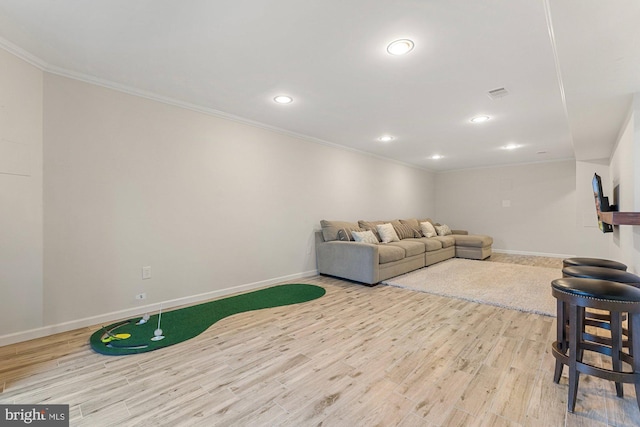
411 222
346 235
405 231
330 228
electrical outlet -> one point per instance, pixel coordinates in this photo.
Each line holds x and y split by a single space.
142 296
146 272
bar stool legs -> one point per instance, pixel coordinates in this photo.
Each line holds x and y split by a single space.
574 295
576 317
616 347
634 324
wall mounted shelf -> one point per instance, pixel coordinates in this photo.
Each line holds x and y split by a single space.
620 218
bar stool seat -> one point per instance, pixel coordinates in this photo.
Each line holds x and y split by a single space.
601 320
573 296
602 273
593 262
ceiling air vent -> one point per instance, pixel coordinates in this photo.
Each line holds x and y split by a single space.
498 93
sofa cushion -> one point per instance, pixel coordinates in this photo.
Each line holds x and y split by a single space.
345 235
410 247
443 230
364 237
473 240
427 229
390 253
429 243
405 231
330 228
387 233
371 225
447 241
411 222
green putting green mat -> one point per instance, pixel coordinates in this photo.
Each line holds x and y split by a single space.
185 323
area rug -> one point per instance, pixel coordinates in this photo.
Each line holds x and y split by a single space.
176 326
518 287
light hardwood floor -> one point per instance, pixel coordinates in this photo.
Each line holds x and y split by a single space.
359 356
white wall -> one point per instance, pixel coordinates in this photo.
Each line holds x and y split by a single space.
625 175
20 195
210 204
526 208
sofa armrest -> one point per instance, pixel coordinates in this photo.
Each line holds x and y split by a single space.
459 232
349 260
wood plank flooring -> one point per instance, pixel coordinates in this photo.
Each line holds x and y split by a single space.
359 356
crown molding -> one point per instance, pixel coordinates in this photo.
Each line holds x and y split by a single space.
108 84
23 54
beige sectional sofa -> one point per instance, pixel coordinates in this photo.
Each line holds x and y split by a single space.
338 255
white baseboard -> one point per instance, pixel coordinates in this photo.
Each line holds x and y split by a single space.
138 311
550 255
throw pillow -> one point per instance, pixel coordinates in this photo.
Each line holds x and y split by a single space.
427 229
345 235
429 220
443 230
370 225
364 236
403 231
330 228
411 222
387 233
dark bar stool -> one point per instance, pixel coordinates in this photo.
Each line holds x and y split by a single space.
573 296
601 320
602 273
593 262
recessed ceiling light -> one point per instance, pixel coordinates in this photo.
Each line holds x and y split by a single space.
510 147
436 157
386 138
283 99
480 119
400 47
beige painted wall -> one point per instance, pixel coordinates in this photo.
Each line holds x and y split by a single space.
20 195
216 206
210 204
526 208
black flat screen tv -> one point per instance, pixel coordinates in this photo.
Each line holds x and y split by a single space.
602 203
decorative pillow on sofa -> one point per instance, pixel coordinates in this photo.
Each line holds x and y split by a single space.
345 235
411 222
427 229
330 228
387 233
404 231
364 236
371 225
429 220
443 230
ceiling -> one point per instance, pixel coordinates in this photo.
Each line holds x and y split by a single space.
570 68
